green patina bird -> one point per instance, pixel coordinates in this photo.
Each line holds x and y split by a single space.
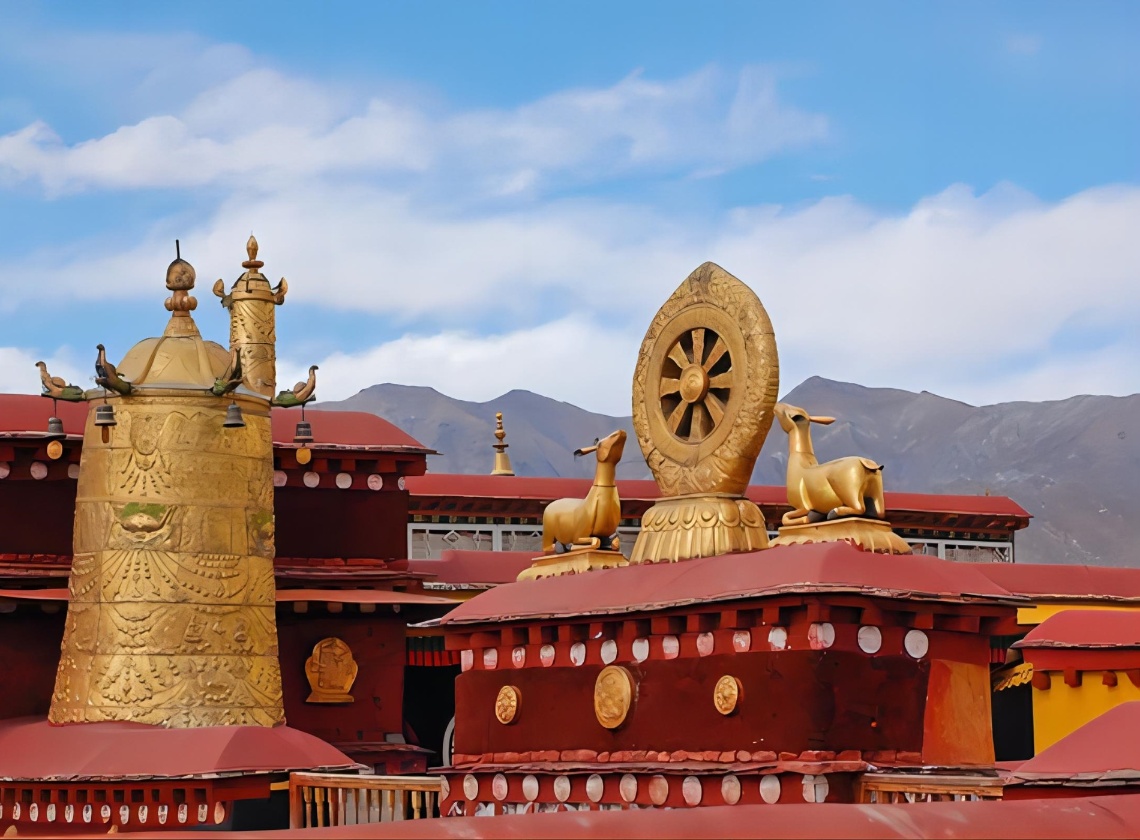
106 374
57 387
229 380
302 392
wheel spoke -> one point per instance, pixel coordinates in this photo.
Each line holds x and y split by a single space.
670 385
721 380
677 416
697 430
677 354
719 349
714 407
698 345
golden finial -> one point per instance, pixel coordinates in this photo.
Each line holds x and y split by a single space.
251 248
180 277
502 459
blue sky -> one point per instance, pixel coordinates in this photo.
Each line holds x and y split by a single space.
470 196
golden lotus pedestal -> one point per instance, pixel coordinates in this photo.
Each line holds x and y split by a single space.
869 534
684 527
572 562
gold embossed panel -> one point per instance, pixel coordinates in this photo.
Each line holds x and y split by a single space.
171 619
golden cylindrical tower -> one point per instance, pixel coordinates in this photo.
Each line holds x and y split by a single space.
253 322
171 617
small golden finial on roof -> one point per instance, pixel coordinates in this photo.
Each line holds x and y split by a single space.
251 249
502 459
180 277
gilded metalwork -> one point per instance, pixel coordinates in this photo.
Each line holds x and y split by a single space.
171 616
844 487
331 671
613 696
585 528
55 450
869 534
706 380
253 327
507 704
726 694
107 375
837 500
502 459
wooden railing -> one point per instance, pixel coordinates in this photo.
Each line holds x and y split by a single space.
887 788
317 800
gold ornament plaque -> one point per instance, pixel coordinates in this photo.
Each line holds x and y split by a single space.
726 695
331 671
507 704
613 695
705 384
55 450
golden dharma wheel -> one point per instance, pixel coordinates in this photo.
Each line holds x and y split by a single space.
706 381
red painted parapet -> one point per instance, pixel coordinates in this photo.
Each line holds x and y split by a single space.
815 678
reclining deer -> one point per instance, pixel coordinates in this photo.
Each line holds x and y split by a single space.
588 523
844 487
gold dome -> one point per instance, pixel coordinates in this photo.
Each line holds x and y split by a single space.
175 361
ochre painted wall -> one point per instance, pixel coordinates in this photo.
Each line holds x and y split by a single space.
1061 708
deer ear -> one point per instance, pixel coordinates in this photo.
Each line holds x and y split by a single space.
585 450
823 421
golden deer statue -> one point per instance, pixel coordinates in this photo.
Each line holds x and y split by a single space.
588 523
850 486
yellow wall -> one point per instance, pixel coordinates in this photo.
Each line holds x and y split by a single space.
1061 709
1039 612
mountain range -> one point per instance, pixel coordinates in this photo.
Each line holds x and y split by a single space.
1074 464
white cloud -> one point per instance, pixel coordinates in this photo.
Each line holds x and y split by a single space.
572 358
18 374
263 127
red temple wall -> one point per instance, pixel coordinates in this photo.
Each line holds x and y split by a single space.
379 648
31 654
315 522
38 516
792 701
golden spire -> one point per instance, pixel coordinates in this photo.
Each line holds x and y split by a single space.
502 459
180 277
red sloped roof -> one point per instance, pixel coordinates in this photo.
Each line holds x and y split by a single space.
1107 748
31 748
475 567
546 488
816 567
25 413
1041 580
1086 629
342 428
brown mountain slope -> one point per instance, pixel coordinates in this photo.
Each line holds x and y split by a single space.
1074 464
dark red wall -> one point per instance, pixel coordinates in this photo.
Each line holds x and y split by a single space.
323 522
378 646
31 653
793 701
38 516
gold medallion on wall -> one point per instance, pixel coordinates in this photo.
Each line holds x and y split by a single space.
726 695
507 704
613 695
705 384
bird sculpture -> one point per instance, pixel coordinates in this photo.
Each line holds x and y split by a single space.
107 376
232 377
57 387
302 392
